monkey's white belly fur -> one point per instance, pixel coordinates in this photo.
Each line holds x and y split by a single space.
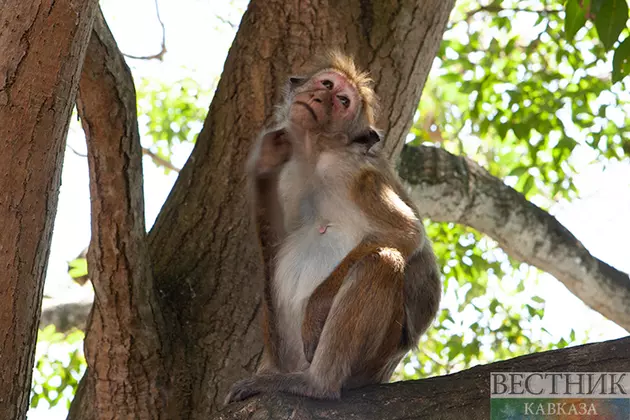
304 261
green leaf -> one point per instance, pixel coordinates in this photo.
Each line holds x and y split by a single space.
575 17
502 130
493 306
451 77
518 171
538 299
611 20
596 5
621 61
77 268
521 131
529 183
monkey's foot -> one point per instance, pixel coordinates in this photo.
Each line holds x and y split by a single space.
243 389
297 383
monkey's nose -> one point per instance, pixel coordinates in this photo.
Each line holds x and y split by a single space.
317 100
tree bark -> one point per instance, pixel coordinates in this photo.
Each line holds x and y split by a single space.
464 395
125 339
42 45
455 189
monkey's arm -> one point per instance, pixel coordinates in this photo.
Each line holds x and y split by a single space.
269 155
270 231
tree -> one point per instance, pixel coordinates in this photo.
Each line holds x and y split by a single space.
35 108
160 341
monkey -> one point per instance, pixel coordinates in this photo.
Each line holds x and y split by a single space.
350 278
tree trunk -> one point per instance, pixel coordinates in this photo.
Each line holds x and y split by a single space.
202 249
42 46
464 395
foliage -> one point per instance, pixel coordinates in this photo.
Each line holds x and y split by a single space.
527 105
170 114
513 91
60 365
610 19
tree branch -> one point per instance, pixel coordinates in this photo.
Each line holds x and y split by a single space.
124 338
453 397
496 9
65 316
160 54
159 160
455 189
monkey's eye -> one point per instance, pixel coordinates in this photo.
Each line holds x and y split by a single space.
328 84
344 101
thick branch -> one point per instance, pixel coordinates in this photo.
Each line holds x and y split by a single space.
456 189
42 44
123 340
65 316
464 395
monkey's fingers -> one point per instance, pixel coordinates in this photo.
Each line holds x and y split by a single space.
275 151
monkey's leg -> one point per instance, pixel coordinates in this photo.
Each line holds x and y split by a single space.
362 333
320 302
364 327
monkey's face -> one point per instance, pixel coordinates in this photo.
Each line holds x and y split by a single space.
327 102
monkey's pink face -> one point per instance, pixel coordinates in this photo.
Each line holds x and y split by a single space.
327 102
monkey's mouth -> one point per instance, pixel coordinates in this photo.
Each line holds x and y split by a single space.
308 107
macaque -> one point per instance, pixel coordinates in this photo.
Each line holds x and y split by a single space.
351 281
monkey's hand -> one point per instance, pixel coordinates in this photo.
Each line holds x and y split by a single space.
273 151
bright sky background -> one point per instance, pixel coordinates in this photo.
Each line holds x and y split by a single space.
198 36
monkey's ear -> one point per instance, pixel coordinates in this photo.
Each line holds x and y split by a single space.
296 81
367 139
275 135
